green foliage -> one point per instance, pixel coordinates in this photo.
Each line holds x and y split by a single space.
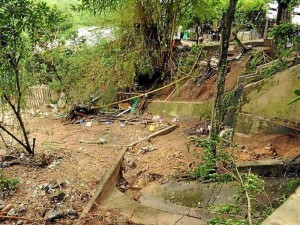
98 5
221 168
209 160
227 102
7 183
256 59
287 38
186 61
225 221
209 168
226 209
23 25
252 183
297 92
275 68
83 18
251 14
292 184
99 71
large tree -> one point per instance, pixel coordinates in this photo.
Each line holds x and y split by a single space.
155 20
222 68
23 25
284 12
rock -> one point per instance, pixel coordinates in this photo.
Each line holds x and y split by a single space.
130 163
200 130
12 212
62 101
2 204
129 178
72 213
54 164
58 196
53 215
145 149
41 211
21 208
108 218
122 124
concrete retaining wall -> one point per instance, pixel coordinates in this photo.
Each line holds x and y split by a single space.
181 109
264 103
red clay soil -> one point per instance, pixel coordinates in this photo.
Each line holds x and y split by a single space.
191 91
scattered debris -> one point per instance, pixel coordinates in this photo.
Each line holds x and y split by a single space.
102 141
175 120
89 124
157 119
58 196
271 149
2 204
125 111
55 163
145 149
153 127
124 106
54 215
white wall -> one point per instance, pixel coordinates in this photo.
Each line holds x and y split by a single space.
272 12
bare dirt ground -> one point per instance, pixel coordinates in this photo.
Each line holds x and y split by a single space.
65 172
56 185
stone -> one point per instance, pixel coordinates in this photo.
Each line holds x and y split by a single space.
12 212
130 163
58 196
62 101
2 204
145 149
72 213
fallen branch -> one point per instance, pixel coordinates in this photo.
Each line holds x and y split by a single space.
14 218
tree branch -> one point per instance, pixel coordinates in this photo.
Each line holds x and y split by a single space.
12 135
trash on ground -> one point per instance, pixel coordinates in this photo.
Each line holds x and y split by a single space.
148 148
89 124
102 141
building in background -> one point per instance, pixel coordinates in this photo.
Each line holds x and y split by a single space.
272 12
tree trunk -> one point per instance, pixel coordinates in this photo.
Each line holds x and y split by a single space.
225 35
240 44
283 14
25 145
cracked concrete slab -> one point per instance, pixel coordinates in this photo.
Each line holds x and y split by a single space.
143 214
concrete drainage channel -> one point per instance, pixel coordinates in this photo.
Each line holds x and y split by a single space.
108 196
